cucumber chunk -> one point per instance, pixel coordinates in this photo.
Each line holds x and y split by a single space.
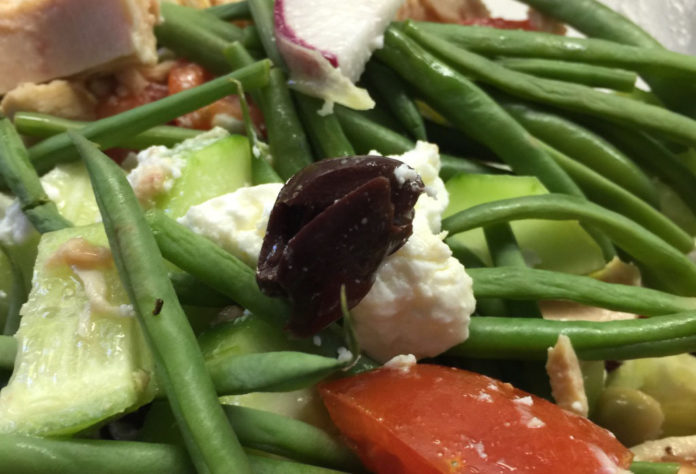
196 170
82 357
215 170
552 245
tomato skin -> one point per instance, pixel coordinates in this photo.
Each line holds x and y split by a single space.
115 104
435 419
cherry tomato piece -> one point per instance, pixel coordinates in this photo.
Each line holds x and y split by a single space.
435 419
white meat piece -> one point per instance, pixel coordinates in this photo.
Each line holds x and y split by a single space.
42 40
565 376
67 99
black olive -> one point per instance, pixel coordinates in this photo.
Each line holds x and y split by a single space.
332 225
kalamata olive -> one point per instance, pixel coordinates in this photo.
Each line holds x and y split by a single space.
332 225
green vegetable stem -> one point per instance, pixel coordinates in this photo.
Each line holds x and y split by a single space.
39 125
392 90
22 179
579 73
527 283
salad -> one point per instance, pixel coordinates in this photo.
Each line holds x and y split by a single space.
415 239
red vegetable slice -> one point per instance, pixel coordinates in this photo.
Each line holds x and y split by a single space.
435 419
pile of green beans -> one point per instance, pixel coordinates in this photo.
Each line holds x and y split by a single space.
526 100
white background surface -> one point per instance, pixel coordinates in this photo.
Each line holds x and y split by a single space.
672 22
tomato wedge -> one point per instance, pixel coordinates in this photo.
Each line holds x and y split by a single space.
435 419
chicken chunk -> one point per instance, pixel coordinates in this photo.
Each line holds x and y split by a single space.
61 98
42 40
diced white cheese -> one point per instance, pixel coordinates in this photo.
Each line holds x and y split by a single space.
236 221
42 40
15 228
422 297
401 362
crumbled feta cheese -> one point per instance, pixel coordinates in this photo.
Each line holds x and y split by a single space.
535 423
422 297
15 228
158 166
484 397
405 173
344 355
236 221
526 401
401 362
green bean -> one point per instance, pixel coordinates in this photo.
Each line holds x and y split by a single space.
180 32
639 467
464 254
290 438
231 11
505 252
579 73
30 455
514 43
43 126
230 276
8 350
192 291
597 20
325 131
227 275
286 137
677 271
529 338
468 108
219 27
392 90
211 442
111 131
280 371
607 193
22 179
18 294
263 16
562 94
656 158
268 465
366 135
527 283
584 146
451 140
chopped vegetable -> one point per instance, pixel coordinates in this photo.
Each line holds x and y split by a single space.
429 418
